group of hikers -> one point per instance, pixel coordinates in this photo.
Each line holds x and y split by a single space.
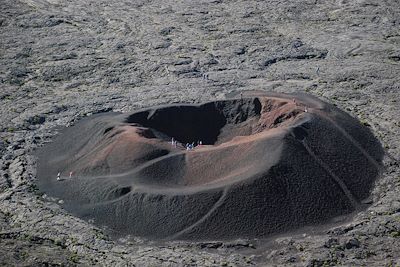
188 146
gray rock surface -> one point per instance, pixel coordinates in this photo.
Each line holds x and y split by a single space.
63 60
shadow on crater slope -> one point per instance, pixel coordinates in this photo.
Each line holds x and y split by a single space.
265 166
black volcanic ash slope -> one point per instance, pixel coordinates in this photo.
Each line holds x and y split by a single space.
265 166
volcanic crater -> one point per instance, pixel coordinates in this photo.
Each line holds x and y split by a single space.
260 165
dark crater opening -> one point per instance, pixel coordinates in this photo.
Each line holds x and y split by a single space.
190 123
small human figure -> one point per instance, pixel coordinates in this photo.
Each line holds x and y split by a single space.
200 143
175 143
305 109
70 175
58 176
172 141
187 146
192 145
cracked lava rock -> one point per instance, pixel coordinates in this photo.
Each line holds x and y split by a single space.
268 163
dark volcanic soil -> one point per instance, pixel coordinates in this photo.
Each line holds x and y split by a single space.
61 61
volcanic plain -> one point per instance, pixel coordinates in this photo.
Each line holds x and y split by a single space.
114 67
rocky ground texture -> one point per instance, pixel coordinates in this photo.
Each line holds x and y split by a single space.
64 60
